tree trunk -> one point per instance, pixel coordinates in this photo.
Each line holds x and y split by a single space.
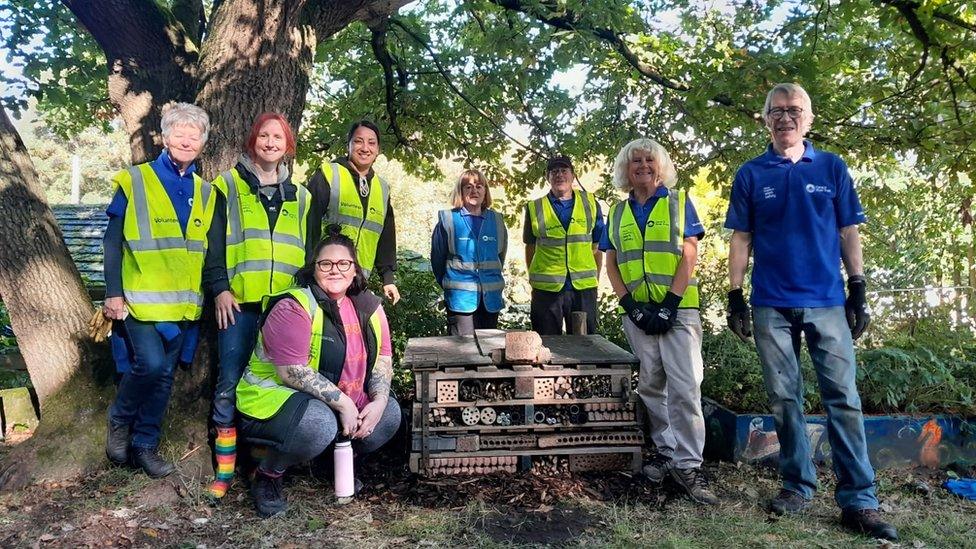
49 311
151 61
257 58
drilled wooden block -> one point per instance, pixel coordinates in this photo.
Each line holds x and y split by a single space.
599 462
633 438
506 442
447 392
544 388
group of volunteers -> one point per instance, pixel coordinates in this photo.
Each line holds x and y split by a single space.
305 355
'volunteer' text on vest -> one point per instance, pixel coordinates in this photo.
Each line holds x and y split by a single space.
558 251
162 268
474 270
648 262
261 261
346 209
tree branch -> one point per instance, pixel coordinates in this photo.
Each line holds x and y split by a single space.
571 23
386 61
151 61
449 80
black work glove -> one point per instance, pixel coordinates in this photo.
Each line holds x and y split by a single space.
739 319
856 305
663 319
638 313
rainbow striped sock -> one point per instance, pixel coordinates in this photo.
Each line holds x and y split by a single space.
225 450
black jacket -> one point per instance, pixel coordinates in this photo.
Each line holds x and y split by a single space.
320 188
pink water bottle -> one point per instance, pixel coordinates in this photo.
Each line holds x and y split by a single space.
344 483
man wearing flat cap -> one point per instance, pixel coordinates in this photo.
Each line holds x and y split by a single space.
561 234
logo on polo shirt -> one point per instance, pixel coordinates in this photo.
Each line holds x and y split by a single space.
769 192
811 188
487 238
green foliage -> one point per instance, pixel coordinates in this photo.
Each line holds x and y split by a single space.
417 314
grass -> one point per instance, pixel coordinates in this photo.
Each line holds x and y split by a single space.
121 507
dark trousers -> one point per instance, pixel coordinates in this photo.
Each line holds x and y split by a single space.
234 345
467 323
550 310
143 392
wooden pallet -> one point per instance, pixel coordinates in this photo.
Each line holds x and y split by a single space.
453 434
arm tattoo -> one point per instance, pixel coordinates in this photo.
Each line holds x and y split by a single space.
304 379
379 382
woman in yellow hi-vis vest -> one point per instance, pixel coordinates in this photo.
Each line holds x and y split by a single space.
154 246
561 233
347 192
320 372
652 248
257 244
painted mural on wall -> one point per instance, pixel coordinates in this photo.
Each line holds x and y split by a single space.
893 441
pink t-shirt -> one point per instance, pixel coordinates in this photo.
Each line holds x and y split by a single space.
287 334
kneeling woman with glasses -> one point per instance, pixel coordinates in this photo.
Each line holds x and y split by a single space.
321 370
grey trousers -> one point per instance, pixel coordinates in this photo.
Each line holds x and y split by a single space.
318 428
669 385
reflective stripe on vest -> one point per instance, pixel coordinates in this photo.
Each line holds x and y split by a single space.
261 262
162 268
559 251
474 271
260 392
647 262
346 209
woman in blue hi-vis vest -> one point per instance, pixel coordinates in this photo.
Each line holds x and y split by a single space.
467 253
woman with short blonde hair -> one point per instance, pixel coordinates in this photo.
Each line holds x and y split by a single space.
651 243
467 253
154 247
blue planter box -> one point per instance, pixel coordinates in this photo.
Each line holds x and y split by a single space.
893 441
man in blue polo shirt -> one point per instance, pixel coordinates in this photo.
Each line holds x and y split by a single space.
562 230
796 210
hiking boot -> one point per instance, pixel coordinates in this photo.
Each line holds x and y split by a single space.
695 485
149 460
117 443
268 491
868 521
656 468
787 502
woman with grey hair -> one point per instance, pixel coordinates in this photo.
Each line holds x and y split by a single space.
154 246
651 243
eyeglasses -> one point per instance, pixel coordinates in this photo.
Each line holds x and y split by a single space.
343 265
468 187
778 112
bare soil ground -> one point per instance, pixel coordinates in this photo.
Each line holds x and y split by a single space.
120 507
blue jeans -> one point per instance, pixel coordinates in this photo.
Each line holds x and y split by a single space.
144 390
234 345
778 332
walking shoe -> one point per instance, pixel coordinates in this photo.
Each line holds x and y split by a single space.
149 460
868 521
656 468
694 483
117 443
787 502
268 491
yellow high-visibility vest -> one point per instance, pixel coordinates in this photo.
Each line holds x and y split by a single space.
648 262
364 227
261 392
558 251
162 269
261 262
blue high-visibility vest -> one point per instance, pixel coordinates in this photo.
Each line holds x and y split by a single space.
473 268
